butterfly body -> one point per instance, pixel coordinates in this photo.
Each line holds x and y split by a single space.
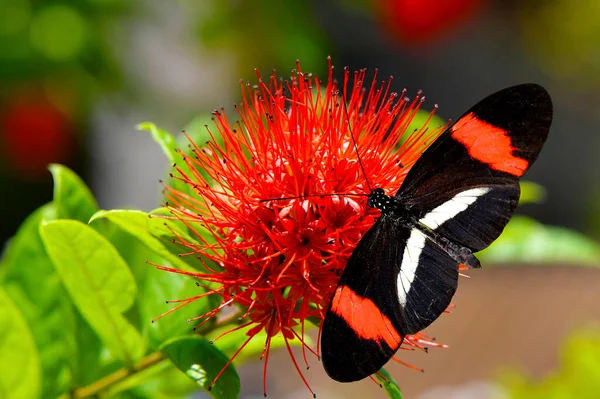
389 206
455 201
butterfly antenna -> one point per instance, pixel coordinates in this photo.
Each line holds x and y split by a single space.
354 141
357 155
313 195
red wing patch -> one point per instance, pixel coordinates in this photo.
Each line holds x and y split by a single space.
488 144
364 317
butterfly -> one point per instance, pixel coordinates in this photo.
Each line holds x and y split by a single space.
455 200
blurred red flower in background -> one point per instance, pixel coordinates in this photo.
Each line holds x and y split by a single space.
417 22
34 133
276 248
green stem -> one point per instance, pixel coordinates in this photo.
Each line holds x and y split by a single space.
105 383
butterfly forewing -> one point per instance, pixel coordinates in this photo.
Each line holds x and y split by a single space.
475 217
484 153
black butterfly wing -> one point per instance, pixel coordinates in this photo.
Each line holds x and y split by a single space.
427 281
396 282
364 325
465 186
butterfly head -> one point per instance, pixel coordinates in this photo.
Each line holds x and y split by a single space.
378 199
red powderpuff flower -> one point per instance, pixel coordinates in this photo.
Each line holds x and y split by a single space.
278 245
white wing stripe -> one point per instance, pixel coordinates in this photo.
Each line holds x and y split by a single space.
453 207
410 262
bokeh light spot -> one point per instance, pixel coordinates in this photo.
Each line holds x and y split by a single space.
58 32
15 16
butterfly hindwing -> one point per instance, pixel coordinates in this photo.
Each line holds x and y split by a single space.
480 158
364 325
396 282
427 281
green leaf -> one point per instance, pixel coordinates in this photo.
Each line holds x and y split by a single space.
531 193
177 150
197 132
421 118
21 374
72 198
49 311
525 240
169 146
388 383
26 247
89 358
131 249
161 286
140 260
167 142
69 350
202 362
99 282
155 233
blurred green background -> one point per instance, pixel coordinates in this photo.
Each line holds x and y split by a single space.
77 76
